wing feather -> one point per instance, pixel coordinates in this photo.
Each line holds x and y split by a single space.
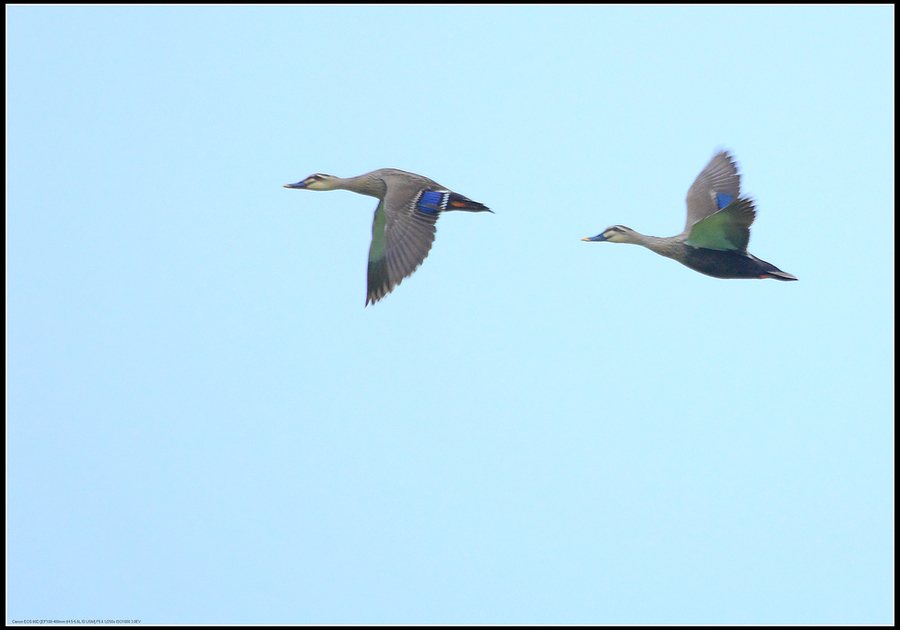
727 229
405 238
719 177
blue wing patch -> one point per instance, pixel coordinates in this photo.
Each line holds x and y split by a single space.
722 200
432 202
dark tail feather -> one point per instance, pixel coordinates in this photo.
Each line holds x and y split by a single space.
458 202
768 270
778 274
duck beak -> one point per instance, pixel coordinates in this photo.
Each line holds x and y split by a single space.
599 237
297 185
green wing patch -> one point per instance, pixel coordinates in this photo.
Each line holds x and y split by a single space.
727 229
376 250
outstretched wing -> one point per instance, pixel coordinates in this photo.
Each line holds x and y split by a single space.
402 233
716 186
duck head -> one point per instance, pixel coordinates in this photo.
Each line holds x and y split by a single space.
615 234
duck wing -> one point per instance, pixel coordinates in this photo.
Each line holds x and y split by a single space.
727 229
716 186
402 233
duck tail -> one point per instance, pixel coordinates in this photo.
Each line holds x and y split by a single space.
778 274
768 270
459 202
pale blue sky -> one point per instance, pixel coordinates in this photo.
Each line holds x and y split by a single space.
205 424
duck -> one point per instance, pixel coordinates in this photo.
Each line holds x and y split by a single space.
403 228
715 237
